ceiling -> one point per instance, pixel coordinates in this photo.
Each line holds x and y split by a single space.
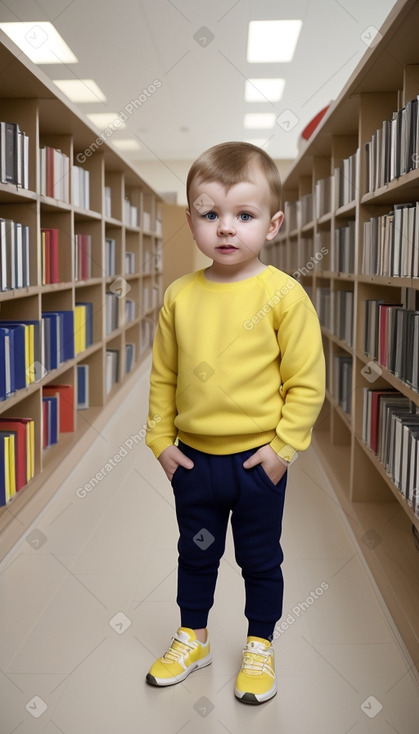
129 45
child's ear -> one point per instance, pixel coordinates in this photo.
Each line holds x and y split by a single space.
275 225
189 218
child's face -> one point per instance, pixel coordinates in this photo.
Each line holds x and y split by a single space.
232 226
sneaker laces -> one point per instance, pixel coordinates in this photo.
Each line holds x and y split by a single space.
178 650
255 658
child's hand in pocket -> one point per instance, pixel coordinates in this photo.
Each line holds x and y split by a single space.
171 458
272 465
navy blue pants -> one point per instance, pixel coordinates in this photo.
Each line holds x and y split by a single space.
204 497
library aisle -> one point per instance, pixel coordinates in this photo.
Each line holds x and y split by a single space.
88 602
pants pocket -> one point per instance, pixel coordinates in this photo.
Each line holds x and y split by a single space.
279 486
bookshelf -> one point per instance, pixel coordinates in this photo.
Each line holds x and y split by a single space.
329 201
120 207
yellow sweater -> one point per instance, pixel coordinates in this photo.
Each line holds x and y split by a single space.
236 365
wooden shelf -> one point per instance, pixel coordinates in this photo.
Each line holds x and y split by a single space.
370 501
30 99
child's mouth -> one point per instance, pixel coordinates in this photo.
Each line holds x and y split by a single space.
226 248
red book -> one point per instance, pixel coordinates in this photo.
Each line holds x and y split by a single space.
55 277
66 404
15 425
375 411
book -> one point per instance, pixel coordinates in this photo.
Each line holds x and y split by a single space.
392 150
82 386
108 202
80 189
50 255
110 247
111 312
112 369
59 337
342 381
7 382
51 420
7 467
130 356
85 316
54 173
24 431
29 358
82 256
65 395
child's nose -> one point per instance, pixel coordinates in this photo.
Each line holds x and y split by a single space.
226 226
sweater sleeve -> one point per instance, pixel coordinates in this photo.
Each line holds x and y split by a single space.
302 377
163 381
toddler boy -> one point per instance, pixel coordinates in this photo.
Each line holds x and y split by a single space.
238 382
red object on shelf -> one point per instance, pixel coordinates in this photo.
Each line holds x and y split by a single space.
310 128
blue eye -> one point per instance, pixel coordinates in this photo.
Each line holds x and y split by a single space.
245 217
211 216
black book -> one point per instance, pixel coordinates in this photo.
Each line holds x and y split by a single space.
11 150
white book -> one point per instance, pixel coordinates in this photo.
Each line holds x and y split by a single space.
3 152
3 257
415 255
25 162
18 254
43 168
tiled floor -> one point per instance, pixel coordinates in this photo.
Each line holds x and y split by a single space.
87 602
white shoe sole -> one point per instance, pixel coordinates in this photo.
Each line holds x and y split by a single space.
161 682
255 698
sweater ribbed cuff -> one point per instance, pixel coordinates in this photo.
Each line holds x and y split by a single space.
160 444
284 450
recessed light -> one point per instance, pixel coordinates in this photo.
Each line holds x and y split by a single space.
126 144
259 120
40 41
264 90
80 90
103 120
272 40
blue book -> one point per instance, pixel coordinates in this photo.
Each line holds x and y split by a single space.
82 386
66 333
52 340
18 354
53 419
39 343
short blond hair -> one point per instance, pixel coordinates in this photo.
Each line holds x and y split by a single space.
230 164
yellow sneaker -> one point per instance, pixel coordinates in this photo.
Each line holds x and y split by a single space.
184 655
256 681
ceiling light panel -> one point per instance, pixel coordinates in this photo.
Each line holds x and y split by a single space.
103 120
259 120
264 90
40 41
272 41
80 90
126 144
